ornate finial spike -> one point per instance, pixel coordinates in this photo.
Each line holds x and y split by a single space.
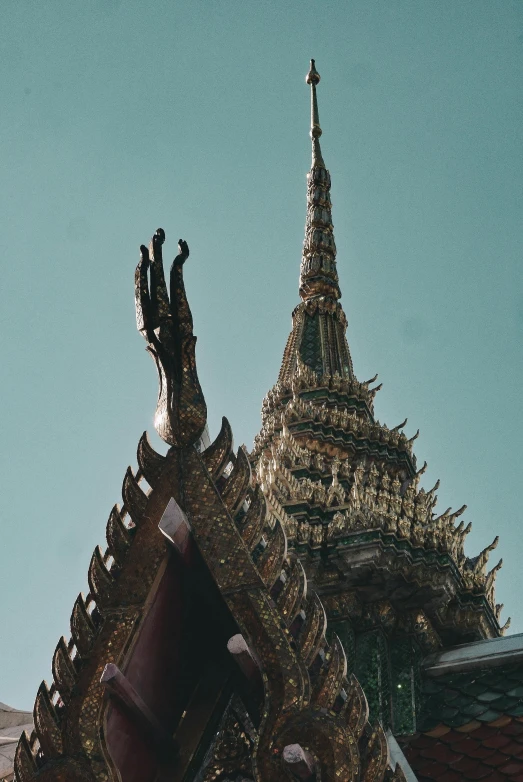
318 275
313 78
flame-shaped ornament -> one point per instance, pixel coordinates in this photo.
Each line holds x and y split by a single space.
167 326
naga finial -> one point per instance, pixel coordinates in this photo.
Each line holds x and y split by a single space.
165 321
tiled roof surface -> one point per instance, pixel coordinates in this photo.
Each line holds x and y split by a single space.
12 723
484 696
471 727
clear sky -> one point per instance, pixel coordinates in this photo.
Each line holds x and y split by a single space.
120 116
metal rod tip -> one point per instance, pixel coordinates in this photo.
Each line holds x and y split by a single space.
313 77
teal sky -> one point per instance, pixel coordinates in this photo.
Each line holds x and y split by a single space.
119 116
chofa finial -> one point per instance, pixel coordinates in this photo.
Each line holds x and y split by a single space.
166 324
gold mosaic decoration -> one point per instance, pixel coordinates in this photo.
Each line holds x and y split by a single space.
308 697
340 481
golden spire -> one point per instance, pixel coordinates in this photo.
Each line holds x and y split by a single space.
318 275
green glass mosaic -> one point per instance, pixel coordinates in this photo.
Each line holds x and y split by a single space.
405 661
372 669
310 348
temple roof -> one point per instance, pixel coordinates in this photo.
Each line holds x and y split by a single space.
494 652
203 646
12 723
471 725
200 650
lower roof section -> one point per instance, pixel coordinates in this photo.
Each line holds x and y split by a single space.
471 721
480 654
12 723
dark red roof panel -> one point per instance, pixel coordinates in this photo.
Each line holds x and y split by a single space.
476 719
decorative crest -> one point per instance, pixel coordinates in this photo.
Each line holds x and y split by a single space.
167 327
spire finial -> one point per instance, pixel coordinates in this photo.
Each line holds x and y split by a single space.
318 275
313 78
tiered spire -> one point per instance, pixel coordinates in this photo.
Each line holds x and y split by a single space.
346 487
317 341
318 267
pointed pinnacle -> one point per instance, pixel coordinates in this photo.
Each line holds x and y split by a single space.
313 78
318 274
